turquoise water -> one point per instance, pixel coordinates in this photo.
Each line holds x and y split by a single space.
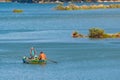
50 31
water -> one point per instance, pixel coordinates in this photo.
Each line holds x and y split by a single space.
50 31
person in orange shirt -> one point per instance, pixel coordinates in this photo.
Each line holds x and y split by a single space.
42 56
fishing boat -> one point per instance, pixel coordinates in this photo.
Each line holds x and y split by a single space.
33 61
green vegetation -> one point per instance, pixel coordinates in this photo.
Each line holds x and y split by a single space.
96 33
17 11
85 7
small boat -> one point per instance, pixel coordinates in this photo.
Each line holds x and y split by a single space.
33 61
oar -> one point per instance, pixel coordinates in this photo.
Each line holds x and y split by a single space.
52 61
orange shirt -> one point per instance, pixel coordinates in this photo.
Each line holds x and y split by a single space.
42 56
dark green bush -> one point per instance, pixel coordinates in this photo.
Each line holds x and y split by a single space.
96 33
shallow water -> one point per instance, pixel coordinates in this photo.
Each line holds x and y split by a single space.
50 31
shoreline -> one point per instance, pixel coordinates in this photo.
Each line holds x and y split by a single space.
59 2
72 6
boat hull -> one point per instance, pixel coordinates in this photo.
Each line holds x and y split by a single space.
33 61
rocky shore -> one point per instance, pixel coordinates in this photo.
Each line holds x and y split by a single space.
86 7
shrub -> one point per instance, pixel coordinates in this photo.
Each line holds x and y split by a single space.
60 7
96 33
17 11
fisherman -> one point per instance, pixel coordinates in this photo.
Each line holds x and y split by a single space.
42 56
32 52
